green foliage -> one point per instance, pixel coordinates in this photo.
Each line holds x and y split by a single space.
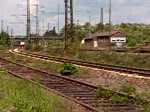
3 70
114 58
52 52
55 43
68 69
136 33
131 42
127 88
144 95
4 39
12 58
146 107
101 93
121 99
36 47
21 96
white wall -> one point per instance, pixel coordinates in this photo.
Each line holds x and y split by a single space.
83 42
118 39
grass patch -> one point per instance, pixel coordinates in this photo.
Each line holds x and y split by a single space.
54 67
126 88
12 58
21 96
108 57
83 71
101 93
121 99
117 99
144 95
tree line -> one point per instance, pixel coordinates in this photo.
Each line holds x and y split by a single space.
136 33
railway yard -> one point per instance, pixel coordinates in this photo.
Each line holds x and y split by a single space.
74 56
82 88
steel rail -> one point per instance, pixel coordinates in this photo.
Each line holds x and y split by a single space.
53 82
139 71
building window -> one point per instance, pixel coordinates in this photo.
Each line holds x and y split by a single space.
122 40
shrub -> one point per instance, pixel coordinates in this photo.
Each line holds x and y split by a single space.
101 93
127 88
12 58
4 39
68 69
121 99
116 99
37 47
132 42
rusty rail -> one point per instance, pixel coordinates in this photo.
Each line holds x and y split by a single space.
139 71
77 91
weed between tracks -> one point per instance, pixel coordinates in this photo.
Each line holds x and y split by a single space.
52 67
68 69
113 58
12 58
117 99
17 95
126 88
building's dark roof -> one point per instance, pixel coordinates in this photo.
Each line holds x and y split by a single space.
103 34
147 42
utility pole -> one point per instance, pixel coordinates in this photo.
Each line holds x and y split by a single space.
109 23
8 30
37 23
66 26
78 22
11 32
2 26
43 27
28 23
58 18
48 26
11 37
89 24
102 17
43 21
71 20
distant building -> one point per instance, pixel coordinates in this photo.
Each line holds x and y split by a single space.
50 33
147 43
103 39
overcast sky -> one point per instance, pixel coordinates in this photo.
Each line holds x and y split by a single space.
134 11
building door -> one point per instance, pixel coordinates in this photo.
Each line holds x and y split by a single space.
95 44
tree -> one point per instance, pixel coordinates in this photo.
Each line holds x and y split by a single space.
99 27
4 39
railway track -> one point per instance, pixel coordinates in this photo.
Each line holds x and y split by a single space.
139 71
79 92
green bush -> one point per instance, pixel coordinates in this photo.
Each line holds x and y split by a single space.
4 39
68 69
120 99
109 94
132 42
127 88
12 58
101 93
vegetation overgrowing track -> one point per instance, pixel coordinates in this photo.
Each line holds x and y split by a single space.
139 71
79 92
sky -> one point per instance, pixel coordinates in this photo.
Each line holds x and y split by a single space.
11 11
